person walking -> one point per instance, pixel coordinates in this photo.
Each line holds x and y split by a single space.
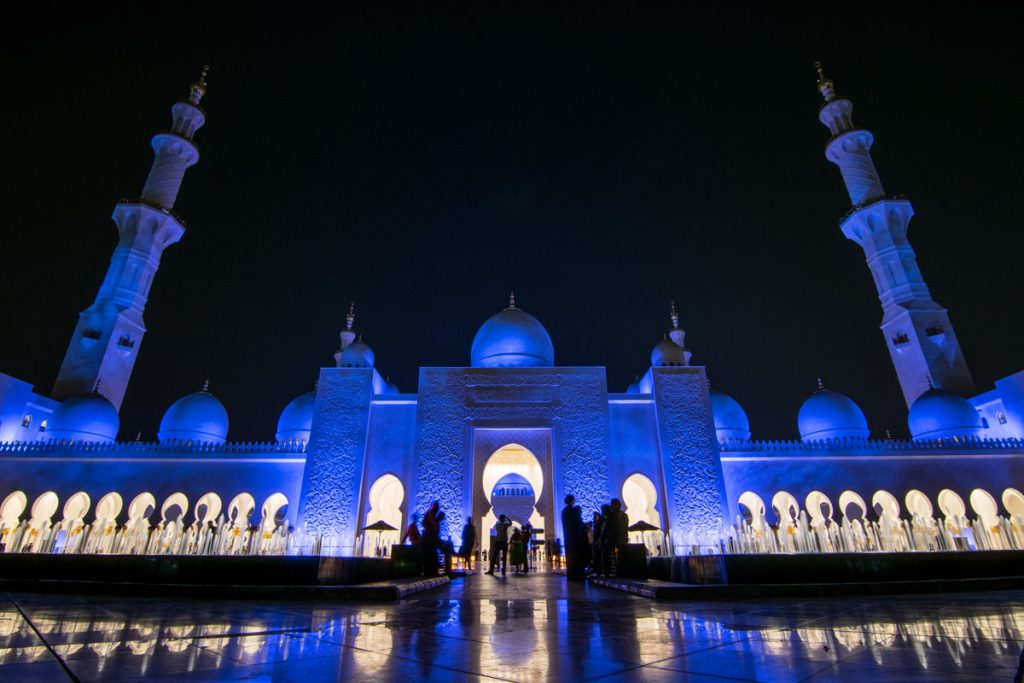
527 533
500 544
575 539
468 543
516 552
412 532
618 534
431 538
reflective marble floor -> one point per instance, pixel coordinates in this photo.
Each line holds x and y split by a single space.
514 628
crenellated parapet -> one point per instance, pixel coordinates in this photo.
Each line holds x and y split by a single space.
139 449
844 447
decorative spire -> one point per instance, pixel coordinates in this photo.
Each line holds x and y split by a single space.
206 385
673 315
350 317
199 87
825 85
821 384
511 299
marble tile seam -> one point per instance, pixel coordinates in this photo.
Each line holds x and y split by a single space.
67 670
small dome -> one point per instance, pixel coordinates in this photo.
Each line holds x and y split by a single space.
512 339
89 418
633 388
357 355
198 417
831 415
668 353
730 419
938 414
296 419
391 389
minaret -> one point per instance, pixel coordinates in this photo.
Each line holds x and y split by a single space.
677 334
347 335
917 330
109 332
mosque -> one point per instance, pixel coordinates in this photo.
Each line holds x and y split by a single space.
513 431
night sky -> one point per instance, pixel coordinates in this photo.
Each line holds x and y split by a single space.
600 164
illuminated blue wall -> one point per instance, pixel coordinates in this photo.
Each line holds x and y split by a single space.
634 444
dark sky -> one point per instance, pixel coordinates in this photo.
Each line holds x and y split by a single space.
601 164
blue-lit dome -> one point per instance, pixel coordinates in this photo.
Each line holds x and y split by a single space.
296 419
668 354
830 415
730 419
938 414
198 417
89 418
512 339
357 355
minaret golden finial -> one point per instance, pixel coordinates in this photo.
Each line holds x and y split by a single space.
199 87
511 299
673 315
350 317
825 85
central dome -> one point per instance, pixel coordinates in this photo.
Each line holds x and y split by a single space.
512 339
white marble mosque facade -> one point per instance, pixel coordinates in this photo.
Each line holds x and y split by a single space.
357 451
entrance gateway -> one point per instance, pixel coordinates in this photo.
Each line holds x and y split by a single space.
512 482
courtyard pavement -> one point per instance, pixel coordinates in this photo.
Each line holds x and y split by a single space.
530 628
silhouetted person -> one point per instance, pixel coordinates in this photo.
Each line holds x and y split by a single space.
431 536
617 535
468 542
527 532
412 532
575 539
500 546
600 532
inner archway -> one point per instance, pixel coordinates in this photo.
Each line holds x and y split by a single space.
513 483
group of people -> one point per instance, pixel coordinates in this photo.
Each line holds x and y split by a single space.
514 549
432 546
597 547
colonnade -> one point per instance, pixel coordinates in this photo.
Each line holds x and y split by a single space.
213 530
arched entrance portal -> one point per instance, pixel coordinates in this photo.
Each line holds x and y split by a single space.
641 500
512 483
386 496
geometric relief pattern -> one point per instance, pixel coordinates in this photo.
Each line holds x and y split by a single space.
334 458
691 461
573 401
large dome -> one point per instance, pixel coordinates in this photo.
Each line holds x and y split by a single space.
831 415
296 419
512 339
730 419
938 414
668 354
357 355
86 418
198 417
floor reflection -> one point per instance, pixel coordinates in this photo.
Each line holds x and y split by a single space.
524 628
